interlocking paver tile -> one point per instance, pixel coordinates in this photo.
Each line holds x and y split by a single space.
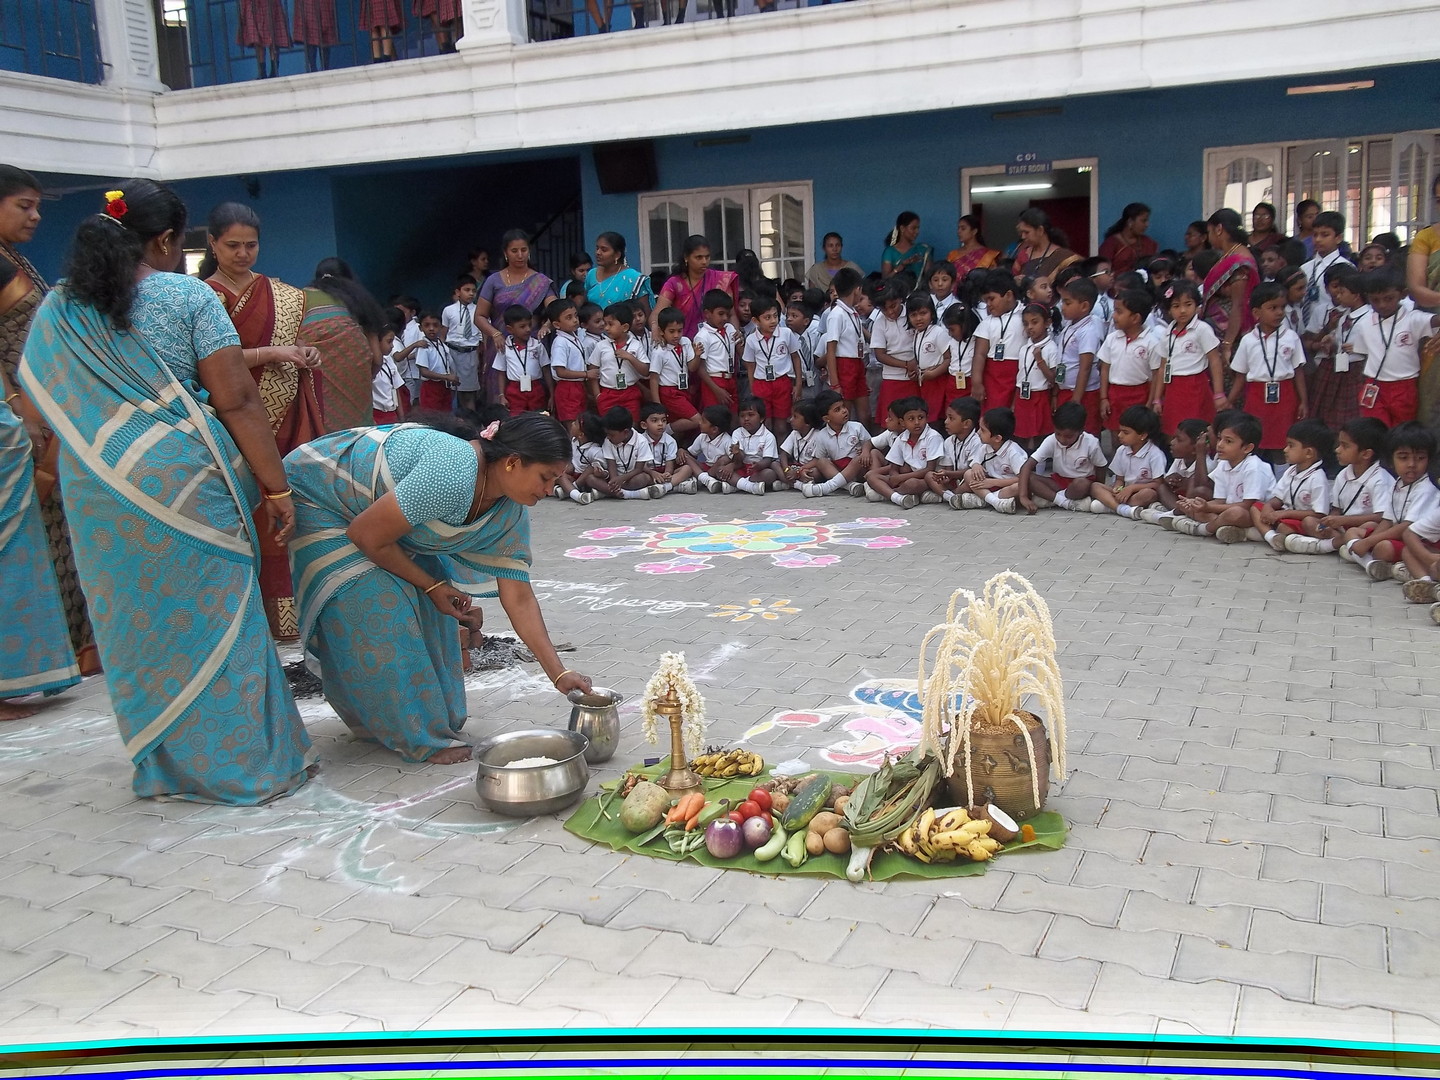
400 1003
1265 1014
1343 906
1150 952
697 921
73 986
1298 899
605 949
1121 992
1291 975
1227 925
1067 985
815 940
191 960
869 944
1342 984
506 977
1308 838
209 918
291 983
299 937
623 1001
99 940
906 1000
721 970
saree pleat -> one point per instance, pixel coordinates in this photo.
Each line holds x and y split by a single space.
346 371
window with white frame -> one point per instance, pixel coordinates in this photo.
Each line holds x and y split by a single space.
1379 182
776 221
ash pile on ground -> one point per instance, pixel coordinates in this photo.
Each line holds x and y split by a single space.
495 653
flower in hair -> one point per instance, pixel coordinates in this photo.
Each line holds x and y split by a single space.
115 204
489 432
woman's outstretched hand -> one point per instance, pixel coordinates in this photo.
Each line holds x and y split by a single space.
449 600
573 680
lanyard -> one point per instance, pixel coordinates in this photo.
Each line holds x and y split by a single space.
1398 512
1270 362
1030 348
769 354
1299 482
1361 491
1380 328
1005 321
656 450
625 462
1067 338
523 358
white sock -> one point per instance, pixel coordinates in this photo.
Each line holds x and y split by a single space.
1328 544
575 494
1270 536
1363 560
835 483
949 496
1062 500
992 498
641 494
667 487
897 498
1125 510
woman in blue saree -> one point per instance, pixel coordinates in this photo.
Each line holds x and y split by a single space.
139 372
398 530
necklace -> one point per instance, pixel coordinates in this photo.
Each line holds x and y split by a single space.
237 286
508 274
484 479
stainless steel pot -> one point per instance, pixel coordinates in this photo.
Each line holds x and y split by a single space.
596 715
531 789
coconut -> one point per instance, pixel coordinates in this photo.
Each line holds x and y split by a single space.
1002 825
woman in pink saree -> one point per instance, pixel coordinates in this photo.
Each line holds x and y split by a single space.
1228 286
693 278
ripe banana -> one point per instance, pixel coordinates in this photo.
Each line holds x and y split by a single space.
729 763
937 836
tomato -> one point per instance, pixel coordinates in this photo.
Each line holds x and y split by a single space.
737 817
747 809
768 819
761 798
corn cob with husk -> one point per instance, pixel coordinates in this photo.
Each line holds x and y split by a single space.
885 803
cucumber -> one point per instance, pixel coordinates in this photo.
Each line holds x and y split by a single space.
809 799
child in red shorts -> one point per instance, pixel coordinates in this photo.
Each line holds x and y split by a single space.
671 470
1130 359
769 357
1268 359
751 464
845 345
521 362
567 362
673 359
1035 374
718 342
619 360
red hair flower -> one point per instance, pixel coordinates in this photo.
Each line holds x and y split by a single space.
115 204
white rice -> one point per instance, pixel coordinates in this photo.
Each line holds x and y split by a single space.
530 762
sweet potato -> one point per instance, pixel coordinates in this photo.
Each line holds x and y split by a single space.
644 807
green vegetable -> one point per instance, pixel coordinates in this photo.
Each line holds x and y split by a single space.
644 807
859 863
886 802
773 846
809 799
795 853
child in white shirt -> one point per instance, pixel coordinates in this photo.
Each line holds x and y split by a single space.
1192 374
587 459
751 463
1378 546
672 360
1359 495
437 369
913 454
1062 469
960 323
769 362
621 362
1081 335
462 335
1035 374
1327 234
521 362
719 344
628 463
1303 490
961 449
1129 359
942 289
1268 358
1241 478
1390 339
843 451
568 369
670 471
1188 476
998 342
1138 465
995 479
798 449
710 448
385 399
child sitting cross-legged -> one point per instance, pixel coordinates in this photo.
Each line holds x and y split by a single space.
994 480
627 460
1073 455
1377 546
798 449
915 452
1359 495
1240 478
750 464
587 457
961 449
669 472
1138 464
1303 491
1422 559
710 448
842 449
1188 476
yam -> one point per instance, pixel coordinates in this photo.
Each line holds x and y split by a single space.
837 841
644 807
814 843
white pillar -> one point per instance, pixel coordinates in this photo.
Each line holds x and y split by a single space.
127 44
492 22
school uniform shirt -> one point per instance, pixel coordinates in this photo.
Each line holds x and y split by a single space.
942 305
584 455
1350 321
957 454
460 329
566 353
523 364
708 450
845 328
717 349
1427 525
845 443
811 346
612 367
435 355
632 454
1131 362
1183 469
1267 358
383 397
898 341
1030 370
772 356
672 363
1104 312
1156 321
1187 351
1368 493
962 356
1005 333
884 440
1081 459
1315 308
1077 338
918 454
588 341
1249 481
1005 463
801 448
756 447
1139 466
1392 346
409 370
1411 501
933 346
663 450
1303 489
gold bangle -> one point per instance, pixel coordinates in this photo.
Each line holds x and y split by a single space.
556 681
12 397
278 494
437 584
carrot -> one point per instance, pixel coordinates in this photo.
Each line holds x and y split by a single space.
690 805
694 819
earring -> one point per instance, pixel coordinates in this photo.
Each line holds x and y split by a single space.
510 467
164 249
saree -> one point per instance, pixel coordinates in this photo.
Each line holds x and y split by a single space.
691 302
980 258
389 661
626 284
1054 260
1427 243
268 312
14 325
1217 309
529 294
347 361
165 545
35 653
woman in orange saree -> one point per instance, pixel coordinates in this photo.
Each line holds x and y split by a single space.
267 314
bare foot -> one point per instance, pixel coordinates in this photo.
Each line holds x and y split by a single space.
9 711
453 756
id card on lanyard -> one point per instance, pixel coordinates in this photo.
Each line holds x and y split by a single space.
1272 385
524 358
998 353
1371 394
684 383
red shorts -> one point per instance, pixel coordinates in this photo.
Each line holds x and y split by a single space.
850 373
1033 415
936 393
841 463
1000 383
569 399
1186 397
522 401
392 417
778 395
893 390
1396 403
1275 420
1091 401
677 402
1121 398
629 398
436 395
724 382
1293 524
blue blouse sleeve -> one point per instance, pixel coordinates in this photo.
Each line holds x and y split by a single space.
210 327
440 485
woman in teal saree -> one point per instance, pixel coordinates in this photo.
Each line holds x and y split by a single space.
138 371
398 530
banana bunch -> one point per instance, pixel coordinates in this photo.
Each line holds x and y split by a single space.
728 763
938 836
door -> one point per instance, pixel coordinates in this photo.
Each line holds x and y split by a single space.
1240 178
1412 155
782 230
1329 173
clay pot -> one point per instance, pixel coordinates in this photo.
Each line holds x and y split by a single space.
1000 768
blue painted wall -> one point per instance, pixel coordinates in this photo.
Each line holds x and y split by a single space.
1150 148
55 38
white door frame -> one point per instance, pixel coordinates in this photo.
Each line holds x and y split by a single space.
970 172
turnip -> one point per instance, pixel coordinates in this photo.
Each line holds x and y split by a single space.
756 832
